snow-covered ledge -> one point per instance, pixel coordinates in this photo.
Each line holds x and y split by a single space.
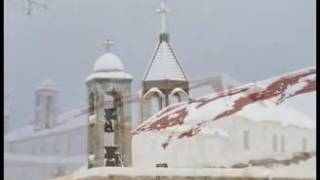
299 171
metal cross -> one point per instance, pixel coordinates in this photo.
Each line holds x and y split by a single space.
163 11
108 44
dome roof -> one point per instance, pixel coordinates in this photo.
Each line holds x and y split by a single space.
108 62
108 66
48 84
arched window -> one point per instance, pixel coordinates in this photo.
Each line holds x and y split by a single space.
91 103
275 143
178 95
109 101
175 98
155 104
110 111
49 108
152 102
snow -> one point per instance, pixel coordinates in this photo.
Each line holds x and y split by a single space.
109 75
67 121
153 90
19 158
254 102
108 62
178 90
108 66
92 157
48 84
306 104
282 113
164 65
92 119
205 131
302 170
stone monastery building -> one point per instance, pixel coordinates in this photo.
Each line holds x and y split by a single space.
227 128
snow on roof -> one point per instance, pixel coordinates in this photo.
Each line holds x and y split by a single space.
20 158
108 62
69 120
109 75
108 66
205 131
243 100
306 104
48 84
164 65
282 113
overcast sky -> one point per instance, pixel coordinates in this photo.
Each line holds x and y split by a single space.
247 39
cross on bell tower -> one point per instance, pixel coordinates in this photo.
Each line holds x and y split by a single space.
163 11
162 87
109 129
107 44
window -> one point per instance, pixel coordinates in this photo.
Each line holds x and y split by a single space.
275 143
283 143
304 144
246 140
111 104
155 104
49 109
91 103
175 98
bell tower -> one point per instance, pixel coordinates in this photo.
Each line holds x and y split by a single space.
109 129
46 98
164 81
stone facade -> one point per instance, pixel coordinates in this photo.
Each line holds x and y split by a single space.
119 90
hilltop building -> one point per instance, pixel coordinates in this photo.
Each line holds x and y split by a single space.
101 132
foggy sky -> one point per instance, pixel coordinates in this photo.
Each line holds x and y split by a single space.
247 39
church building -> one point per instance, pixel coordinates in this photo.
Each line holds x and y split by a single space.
231 127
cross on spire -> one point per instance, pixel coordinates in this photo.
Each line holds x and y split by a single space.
163 11
108 44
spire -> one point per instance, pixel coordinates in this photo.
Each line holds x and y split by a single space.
163 11
108 44
164 64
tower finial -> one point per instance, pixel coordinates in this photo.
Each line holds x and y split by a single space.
108 44
163 11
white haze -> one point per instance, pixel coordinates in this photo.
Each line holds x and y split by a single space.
248 39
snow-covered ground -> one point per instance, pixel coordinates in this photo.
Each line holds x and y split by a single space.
303 170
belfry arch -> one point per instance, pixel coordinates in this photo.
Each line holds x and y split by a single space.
178 95
152 101
164 72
